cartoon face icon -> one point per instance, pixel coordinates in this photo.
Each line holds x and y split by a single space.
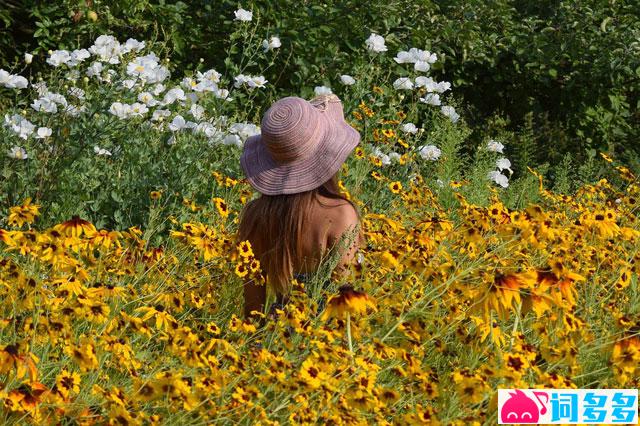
519 408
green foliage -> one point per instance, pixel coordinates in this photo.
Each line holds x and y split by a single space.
554 67
472 41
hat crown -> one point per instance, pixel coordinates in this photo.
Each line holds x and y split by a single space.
291 128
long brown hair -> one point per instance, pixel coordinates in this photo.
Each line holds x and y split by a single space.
274 224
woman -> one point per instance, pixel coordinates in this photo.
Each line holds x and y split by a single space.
301 215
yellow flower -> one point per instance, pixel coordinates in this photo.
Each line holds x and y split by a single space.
76 227
245 250
241 270
312 374
24 214
395 187
84 355
349 301
606 157
155 195
376 175
389 133
68 383
376 161
222 207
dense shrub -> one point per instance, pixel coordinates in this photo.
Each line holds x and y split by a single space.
572 68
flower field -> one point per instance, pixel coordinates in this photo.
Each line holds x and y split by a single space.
121 276
101 325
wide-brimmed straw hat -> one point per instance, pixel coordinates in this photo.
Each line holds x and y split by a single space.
301 146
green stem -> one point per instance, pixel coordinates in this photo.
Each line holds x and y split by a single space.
349 333
515 323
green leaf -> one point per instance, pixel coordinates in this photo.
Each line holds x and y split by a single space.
116 197
603 25
553 72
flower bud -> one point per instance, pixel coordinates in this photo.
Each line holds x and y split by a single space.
28 58
93 16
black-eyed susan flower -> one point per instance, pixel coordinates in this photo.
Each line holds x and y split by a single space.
395 187
221 206
376 161
241 270
388 133
76 227
68 383
349 301
312 374
245 250
24 214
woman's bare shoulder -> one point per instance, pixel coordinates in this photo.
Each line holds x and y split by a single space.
337 207
341 215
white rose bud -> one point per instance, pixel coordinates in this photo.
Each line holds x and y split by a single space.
28 58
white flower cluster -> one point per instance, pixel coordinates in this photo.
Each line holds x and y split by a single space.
108 49
422 59
433 88
243 15
49 102
449 111
239 132
386 159
249 81
429 152
20 125
64 57
409 128
501 164
375 43
126 111
12 81
273 43
143 77
322 90
495 146
148 69
17 153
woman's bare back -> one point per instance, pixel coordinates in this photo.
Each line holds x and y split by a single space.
329 219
